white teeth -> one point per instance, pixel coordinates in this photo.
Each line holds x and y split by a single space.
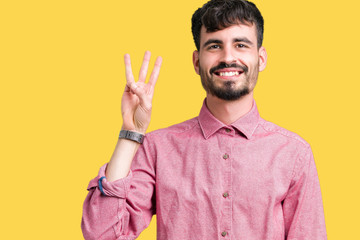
229 74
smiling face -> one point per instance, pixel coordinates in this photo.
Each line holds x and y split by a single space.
229 61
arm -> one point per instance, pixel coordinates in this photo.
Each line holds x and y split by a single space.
136 113
303 208
120 201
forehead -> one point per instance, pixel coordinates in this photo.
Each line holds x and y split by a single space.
229 33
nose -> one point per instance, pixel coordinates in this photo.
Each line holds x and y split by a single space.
228 55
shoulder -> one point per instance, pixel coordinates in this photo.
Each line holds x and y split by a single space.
282 133
166 139
175 129
289 143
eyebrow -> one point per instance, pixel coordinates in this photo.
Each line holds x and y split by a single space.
211 41
245 40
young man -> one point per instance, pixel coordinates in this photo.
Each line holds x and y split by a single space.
226 174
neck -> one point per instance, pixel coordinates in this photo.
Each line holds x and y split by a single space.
229 111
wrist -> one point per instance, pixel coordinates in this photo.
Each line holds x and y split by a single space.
132 135
133 129
129 144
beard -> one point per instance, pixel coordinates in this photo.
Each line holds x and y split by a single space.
227 89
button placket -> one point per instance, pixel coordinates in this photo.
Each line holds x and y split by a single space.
226 205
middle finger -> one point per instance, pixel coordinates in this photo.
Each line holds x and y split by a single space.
144 67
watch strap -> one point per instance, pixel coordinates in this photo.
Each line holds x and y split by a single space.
134 136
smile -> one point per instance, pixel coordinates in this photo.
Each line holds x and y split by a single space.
228 74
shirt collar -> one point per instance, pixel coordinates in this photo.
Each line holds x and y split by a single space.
246 124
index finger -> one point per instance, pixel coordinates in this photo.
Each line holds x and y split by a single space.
155 72
128 70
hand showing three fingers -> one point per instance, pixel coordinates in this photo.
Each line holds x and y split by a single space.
136 101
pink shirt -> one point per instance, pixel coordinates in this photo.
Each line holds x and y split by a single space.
251 180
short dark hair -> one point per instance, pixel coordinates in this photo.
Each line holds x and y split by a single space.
219 14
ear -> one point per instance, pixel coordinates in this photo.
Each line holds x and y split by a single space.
196 61
262 59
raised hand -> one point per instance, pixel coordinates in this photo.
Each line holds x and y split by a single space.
136 101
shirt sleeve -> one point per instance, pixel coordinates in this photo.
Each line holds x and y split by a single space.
121 209
303 207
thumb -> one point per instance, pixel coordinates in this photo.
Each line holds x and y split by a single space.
145 102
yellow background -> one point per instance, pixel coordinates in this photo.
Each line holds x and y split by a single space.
62 76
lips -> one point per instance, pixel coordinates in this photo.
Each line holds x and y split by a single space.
228 72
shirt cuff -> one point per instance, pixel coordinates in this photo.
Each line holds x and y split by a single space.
118 188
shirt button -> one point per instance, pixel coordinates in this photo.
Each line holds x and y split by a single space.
227 130
225 156
225 195
224 233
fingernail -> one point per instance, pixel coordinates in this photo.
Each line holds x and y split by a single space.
134 86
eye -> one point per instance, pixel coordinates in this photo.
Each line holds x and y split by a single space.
240 45
215 46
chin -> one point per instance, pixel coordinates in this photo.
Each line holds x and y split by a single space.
229 94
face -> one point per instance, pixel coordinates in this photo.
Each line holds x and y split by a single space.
229 61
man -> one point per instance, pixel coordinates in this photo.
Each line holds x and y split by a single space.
226 174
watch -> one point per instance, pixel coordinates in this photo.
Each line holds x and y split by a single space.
134 136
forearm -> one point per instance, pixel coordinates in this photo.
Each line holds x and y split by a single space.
136 113
110 210
119 165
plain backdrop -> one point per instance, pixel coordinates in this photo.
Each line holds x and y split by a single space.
62 77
